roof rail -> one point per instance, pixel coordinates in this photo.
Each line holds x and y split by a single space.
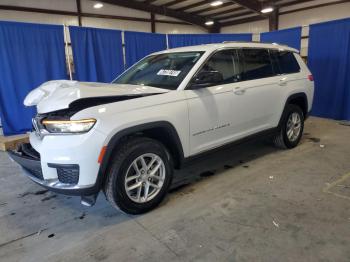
255 42
227 42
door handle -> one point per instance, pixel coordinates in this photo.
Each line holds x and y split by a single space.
240 92
282 82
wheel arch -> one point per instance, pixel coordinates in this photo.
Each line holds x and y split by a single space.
162 131
299 99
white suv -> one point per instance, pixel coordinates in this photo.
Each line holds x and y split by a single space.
127 137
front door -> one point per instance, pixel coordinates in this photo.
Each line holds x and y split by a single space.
210 107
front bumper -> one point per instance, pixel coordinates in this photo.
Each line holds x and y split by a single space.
30 162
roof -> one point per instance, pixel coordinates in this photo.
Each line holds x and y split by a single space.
212 47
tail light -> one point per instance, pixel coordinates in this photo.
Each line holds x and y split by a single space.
310 77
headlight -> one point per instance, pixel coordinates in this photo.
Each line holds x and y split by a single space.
69 126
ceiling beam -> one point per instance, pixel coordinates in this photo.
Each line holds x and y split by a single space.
174 2
293 3
243 20
192 6
234 15
253 5
160 10
149 1
209 8
227 11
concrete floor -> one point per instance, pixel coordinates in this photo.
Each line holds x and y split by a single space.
262 204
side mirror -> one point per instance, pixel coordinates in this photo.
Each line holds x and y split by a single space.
206 78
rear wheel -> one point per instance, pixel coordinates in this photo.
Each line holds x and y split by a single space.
140 176
291 129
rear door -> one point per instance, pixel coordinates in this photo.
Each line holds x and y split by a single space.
258 96
290 76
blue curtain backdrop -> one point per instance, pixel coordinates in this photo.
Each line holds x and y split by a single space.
290 37
30 54
329 61
139 44
179 40
97 53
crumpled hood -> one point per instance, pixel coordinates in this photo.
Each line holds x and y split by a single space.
58 94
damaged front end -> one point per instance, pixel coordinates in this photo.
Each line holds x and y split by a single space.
67 174
58 122
29 159
61 155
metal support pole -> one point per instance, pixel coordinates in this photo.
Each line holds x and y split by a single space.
65 29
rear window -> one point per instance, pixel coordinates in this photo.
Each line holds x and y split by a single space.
285 62
256 64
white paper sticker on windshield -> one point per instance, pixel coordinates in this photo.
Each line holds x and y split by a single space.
165 72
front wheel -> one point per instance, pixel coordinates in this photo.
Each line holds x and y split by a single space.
291 128
140 176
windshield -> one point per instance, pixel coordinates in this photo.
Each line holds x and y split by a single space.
163 71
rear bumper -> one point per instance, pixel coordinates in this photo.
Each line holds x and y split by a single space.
31 166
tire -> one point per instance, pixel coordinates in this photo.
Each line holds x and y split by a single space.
127 164
282 140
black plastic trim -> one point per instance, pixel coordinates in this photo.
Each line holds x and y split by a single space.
68 166
30 164
62 170
291 97
28 150
74 192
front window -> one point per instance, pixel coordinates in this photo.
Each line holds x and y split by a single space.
225 64
163 71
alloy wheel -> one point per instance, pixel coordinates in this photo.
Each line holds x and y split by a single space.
293 127
145 178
